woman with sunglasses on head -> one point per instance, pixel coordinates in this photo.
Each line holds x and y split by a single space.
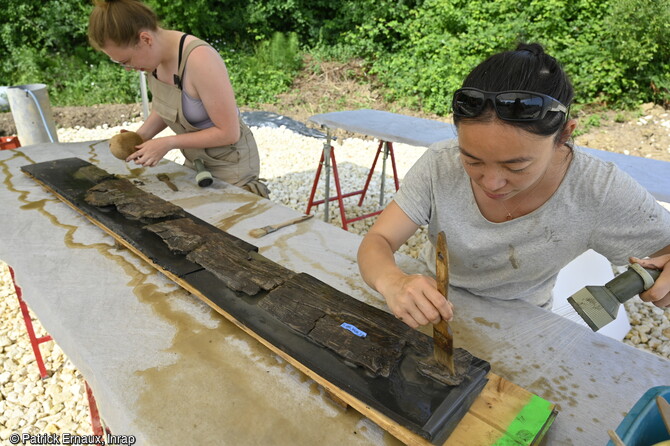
192 93
516 200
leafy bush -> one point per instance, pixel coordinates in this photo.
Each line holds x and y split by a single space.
617 52
49 45
213 21
259 77
638 37
101 82
241 23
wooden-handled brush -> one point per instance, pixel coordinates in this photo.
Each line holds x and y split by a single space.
443 339
260 232
664 410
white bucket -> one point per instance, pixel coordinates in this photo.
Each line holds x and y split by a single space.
32 114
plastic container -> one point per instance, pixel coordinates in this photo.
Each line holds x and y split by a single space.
643 426
9 142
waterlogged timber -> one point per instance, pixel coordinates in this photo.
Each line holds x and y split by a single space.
370 359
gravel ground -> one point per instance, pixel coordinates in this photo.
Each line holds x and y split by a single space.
58 404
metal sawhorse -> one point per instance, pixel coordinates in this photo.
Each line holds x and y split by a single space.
388 128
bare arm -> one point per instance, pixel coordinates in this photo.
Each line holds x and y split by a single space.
414 299
152 126
659 294
206 79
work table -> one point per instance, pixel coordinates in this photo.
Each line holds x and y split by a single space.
166 368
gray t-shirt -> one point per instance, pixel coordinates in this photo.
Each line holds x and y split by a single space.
597 206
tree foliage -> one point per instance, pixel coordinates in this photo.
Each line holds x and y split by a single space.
47 43
617 52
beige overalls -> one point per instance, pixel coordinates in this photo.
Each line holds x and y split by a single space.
237 164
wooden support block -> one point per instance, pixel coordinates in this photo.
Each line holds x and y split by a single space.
504 413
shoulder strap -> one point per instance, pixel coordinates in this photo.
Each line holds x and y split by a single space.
177 78
187 52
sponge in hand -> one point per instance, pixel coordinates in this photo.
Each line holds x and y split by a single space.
123 144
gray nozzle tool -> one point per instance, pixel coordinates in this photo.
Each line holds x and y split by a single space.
203 177
599 305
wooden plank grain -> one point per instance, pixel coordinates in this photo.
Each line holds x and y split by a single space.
373 338
504 413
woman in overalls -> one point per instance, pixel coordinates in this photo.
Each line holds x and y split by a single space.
192 93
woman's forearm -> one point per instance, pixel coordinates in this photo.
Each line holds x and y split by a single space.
376 261
210 137
152 126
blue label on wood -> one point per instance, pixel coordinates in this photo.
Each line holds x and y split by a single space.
355 330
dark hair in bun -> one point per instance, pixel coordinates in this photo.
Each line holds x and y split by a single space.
120 22
528 68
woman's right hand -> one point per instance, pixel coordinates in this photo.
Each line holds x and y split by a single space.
659 293
414 299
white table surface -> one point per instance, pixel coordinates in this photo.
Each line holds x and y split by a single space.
387 126
169 370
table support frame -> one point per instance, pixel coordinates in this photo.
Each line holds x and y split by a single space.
327 161
96 421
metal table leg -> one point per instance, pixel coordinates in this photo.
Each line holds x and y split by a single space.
326 160
386 155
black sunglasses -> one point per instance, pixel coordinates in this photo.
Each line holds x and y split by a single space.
514 105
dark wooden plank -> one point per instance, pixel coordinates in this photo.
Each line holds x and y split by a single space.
248 272
432 369
74 177
131 201
93 174
381 371
373 350
220 253
370 337
421 405
182 235
311 292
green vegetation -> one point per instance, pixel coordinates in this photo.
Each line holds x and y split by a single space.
269 69
613 50
48 45
617 52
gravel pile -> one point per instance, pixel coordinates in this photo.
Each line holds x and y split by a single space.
288 161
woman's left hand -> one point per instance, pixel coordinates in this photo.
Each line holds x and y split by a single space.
149 153
659 294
